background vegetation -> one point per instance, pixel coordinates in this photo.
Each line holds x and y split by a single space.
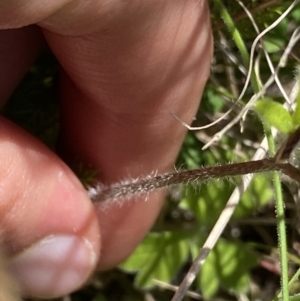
244 265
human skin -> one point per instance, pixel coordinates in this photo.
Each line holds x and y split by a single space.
124 67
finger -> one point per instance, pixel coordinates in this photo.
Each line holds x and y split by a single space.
117 91
48 225
18 13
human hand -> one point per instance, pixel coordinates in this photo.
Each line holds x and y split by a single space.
125 66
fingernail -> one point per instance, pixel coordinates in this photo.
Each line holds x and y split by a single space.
55 266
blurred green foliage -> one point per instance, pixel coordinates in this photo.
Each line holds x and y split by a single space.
34 104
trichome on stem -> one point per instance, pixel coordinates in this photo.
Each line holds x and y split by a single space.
279 162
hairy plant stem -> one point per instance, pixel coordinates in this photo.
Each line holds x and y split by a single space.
100 193
147 184
283 153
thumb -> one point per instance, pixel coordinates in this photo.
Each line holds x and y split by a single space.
48 225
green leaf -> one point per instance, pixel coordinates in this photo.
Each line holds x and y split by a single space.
228 264
212 101
274 114
159 257
296 14
190 155
295 297
258 194
209 280
273 44
207 200
296 115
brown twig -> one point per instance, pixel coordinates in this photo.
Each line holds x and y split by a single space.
150 183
